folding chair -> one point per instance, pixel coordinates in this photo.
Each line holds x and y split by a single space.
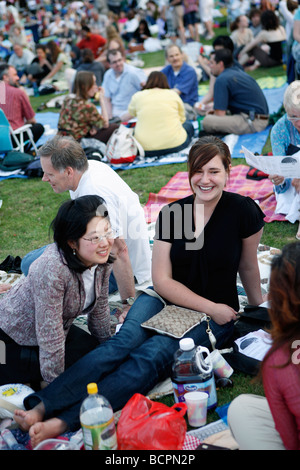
17 135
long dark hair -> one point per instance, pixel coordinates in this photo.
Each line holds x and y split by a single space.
70 225
284 294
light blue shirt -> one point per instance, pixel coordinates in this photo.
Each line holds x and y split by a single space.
121 89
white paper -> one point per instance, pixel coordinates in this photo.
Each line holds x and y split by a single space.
255 344
287 166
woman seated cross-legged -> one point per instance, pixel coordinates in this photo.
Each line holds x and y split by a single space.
196 257
79 117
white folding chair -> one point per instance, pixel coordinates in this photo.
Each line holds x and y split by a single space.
18 136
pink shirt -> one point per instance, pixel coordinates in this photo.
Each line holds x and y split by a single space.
17 107
282 389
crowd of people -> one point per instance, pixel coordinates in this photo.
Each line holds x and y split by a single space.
100 238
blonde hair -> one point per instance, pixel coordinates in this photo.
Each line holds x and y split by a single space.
291 99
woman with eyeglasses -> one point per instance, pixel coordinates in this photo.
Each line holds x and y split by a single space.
285 140
70 278
272 422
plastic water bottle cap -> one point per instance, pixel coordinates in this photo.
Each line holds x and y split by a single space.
186 344
92 388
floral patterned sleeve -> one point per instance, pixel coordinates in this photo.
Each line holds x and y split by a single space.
280 137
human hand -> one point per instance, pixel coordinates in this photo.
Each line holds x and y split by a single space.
123 315
101 92
296 184
223 314
276 179
4 288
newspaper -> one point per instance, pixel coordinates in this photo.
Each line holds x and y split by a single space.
255 344
287 166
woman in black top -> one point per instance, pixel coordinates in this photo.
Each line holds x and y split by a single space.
201 243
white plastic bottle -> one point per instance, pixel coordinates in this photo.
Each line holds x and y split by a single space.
97 421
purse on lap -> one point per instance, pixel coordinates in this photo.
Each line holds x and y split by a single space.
176 321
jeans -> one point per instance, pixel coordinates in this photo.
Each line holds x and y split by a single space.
33 255
132 361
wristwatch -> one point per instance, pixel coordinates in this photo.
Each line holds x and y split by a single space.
128 301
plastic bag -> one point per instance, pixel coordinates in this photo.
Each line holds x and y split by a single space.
149 425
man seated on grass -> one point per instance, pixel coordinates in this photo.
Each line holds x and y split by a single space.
240 106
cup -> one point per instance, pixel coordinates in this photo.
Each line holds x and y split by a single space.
220 365
196 408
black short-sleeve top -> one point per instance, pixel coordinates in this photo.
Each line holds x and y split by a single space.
209 264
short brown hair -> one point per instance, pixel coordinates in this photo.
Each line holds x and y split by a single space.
157 80
204 150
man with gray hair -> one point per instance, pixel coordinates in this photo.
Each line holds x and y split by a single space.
66 168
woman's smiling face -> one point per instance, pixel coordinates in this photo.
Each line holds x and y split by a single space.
209 181
95 246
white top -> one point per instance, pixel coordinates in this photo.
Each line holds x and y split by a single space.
125 212
88 277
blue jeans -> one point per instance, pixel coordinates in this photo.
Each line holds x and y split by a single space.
33 255
132 361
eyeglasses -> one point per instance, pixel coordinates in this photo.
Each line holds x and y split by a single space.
100 238
292 118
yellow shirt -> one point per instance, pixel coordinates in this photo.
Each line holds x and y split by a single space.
160 114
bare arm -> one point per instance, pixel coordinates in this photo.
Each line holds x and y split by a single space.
178 293
255 41
104 112
108 106
122 269
249 270
55 69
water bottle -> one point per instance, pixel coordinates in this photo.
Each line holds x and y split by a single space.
35 89
192 371
97 421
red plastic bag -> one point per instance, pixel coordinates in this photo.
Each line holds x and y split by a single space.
149 425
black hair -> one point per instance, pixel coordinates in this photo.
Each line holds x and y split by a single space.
225 56
224 41
70 225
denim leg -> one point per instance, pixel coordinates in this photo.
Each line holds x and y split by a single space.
70 387
30 258
147 365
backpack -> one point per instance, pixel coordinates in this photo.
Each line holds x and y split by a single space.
122 147
15 160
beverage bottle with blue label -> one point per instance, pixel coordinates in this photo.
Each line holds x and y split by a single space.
192 371
97 421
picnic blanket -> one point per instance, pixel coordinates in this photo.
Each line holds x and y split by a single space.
178 187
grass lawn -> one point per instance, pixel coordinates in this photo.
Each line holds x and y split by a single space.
29 206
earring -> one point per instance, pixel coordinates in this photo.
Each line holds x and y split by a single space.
74 252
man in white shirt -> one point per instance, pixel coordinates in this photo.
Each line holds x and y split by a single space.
66 167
